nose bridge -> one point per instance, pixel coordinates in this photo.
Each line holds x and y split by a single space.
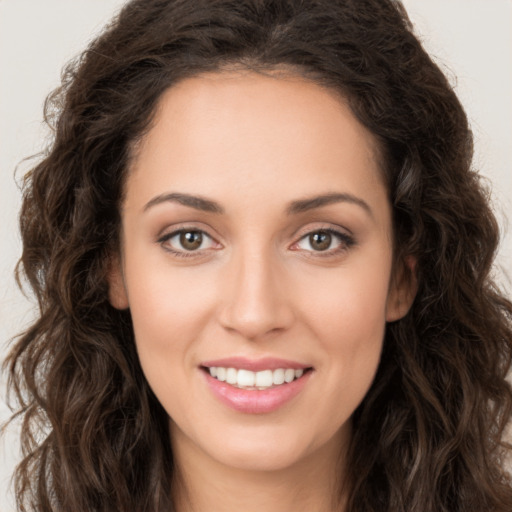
256 303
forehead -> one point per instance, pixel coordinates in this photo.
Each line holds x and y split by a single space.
217 129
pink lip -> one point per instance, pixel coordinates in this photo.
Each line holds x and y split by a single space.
255 365
256 401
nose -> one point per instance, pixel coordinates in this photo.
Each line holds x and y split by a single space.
256 301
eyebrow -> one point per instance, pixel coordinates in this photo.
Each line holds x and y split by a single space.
196 202
295 207
304 205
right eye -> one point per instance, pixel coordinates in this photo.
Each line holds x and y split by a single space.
185 241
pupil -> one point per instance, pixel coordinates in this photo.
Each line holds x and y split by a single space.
191 240
320 241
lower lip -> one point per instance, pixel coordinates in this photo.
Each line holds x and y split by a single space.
256 401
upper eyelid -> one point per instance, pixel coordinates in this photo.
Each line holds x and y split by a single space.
169 231
322 226
331 231
341 235
171 234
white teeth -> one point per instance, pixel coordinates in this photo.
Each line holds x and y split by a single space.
278 377
221 374
264 379
231 376
246 378
289 374
255 380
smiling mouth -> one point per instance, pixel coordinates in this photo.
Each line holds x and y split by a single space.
255 381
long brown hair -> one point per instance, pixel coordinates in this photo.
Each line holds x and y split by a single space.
429 434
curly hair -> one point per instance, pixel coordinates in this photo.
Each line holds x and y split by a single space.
429 434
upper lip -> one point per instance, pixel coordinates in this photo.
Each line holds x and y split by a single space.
255 365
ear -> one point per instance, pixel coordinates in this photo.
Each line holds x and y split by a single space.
117 295
402 289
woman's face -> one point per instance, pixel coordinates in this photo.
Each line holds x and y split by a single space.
257 249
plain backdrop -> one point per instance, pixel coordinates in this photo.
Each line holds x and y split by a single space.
470 39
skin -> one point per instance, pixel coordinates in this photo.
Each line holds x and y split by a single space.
257 286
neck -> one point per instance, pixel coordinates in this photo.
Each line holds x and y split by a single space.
312 484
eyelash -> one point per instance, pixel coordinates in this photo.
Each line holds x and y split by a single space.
183 253
345 242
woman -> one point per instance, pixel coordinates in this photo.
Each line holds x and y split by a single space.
262 263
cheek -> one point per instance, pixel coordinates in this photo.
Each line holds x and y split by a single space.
349 303
166 325
165 299
348 316
351 333
169 310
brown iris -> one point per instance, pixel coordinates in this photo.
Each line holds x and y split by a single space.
320 240
191 240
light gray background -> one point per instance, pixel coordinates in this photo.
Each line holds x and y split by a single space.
470 39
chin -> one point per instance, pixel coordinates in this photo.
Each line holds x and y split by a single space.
267 451
254 458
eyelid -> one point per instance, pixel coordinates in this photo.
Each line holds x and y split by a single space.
345 237
170 232
313 227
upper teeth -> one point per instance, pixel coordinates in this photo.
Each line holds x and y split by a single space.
259 380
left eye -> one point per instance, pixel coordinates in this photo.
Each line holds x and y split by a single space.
323 240
187 240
